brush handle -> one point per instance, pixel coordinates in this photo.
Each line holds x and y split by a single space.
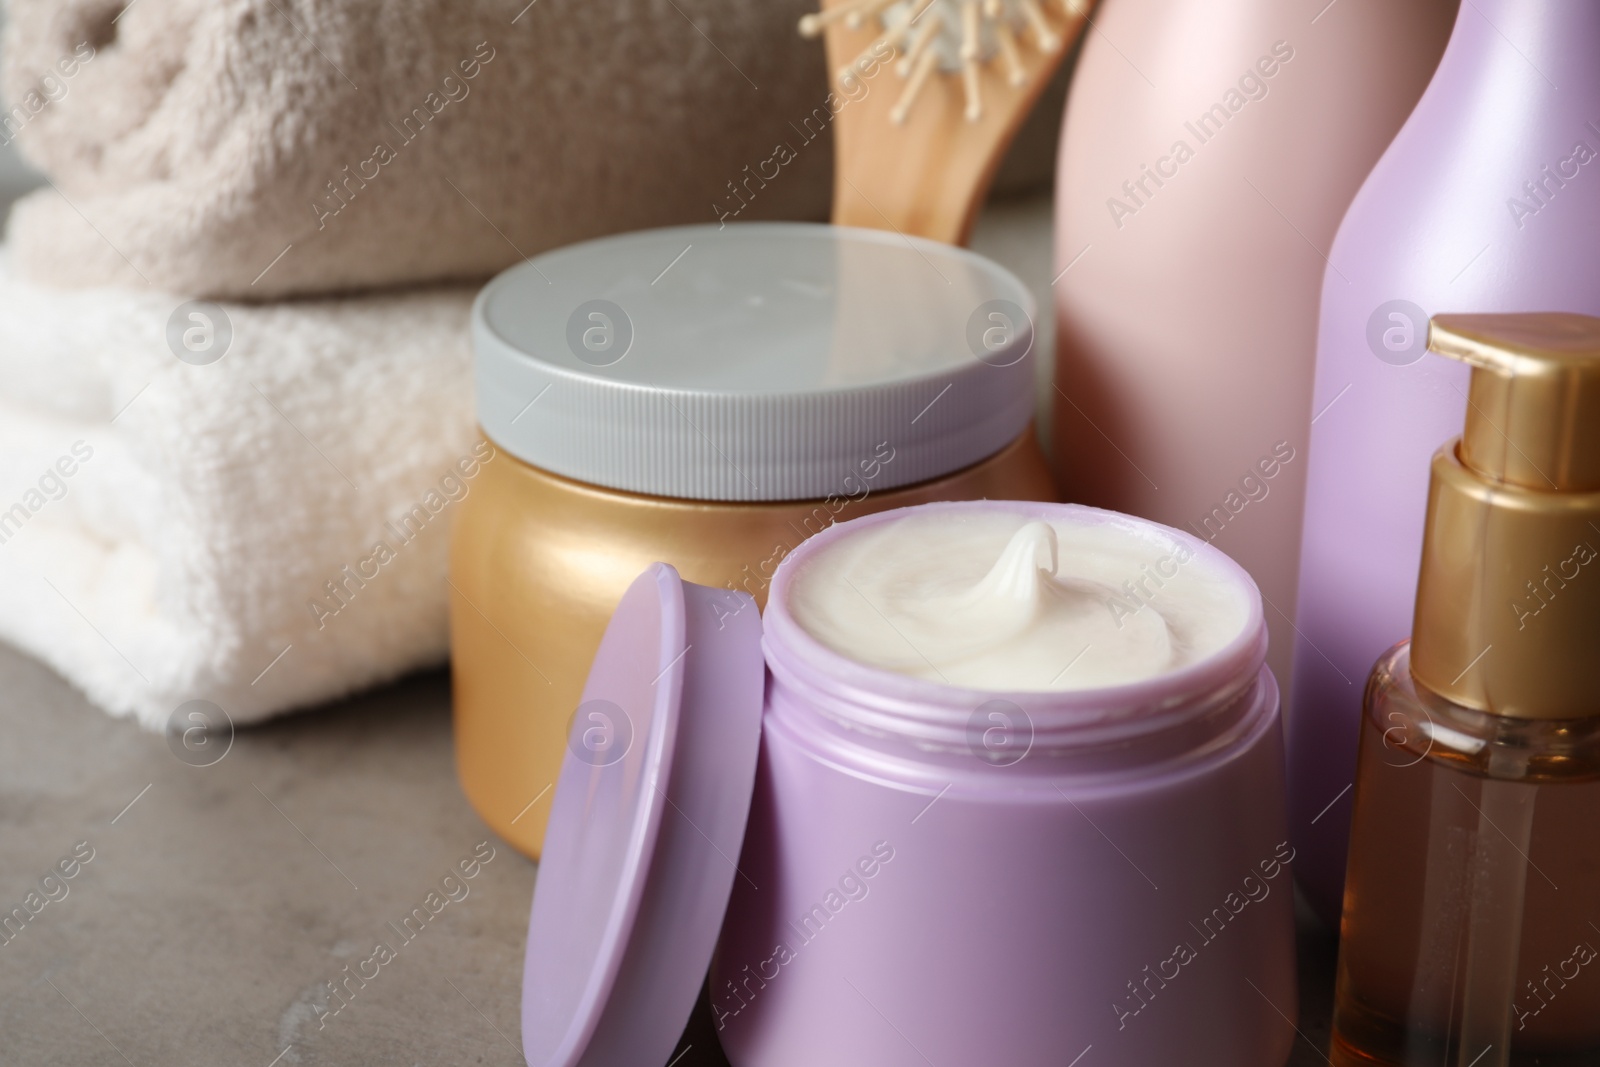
926 170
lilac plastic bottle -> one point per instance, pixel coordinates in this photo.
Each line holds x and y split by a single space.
1488 200
1104 869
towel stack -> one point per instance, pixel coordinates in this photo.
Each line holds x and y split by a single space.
233 421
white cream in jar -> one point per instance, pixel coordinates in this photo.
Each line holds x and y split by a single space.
1002 601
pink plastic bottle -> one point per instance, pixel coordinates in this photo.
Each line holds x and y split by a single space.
1210 148
1488 200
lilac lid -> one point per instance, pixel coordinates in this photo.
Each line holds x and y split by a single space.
646 827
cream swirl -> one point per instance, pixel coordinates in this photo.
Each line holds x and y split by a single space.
994 600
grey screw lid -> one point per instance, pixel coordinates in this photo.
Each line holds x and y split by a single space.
754 361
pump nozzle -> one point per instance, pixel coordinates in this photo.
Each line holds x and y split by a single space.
1533 413
1508 599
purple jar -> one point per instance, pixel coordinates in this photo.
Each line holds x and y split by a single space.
934 869
934 874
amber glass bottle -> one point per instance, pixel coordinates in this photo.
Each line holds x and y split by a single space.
1471 929
1477 844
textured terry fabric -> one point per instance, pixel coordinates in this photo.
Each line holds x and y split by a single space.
202 138
188 551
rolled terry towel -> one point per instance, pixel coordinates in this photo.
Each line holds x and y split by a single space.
263 530
252 149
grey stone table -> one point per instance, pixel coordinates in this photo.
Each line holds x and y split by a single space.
217 901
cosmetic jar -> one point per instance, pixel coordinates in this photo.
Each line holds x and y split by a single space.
1011 877
928 872
709 397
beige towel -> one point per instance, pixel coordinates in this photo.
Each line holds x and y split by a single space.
259 148
252 149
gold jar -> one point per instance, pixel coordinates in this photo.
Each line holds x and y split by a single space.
707 396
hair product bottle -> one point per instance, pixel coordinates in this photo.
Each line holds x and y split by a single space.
1469 932
1210 148
1488 199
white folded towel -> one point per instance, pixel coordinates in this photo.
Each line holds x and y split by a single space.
173 531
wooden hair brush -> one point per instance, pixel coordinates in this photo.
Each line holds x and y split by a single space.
930 94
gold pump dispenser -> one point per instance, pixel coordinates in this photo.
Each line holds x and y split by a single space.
1508 599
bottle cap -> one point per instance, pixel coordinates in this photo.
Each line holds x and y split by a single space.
1508 599
754 361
